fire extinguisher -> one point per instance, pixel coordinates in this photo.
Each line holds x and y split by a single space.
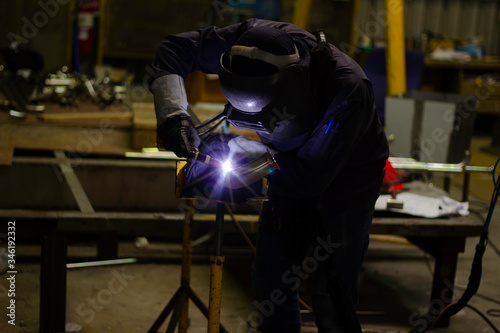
88 10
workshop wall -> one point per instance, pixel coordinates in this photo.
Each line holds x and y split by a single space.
44 26
130 30
134 28
7 21
333 17
127 32
461 20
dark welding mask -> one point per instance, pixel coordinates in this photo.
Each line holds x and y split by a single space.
277 103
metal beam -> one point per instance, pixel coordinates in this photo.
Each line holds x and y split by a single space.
73 182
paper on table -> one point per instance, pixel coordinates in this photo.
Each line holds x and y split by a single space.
419 205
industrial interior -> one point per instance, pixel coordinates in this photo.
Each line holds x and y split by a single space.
101 231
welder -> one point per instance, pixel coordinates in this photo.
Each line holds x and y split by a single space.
312 107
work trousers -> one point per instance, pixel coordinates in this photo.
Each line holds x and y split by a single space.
301 240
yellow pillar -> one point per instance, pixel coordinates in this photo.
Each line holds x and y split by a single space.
301 13
103 26
356 6
395 51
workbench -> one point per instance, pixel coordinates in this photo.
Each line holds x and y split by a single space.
443 238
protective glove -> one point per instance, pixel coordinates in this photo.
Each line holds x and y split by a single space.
179 135
250 149
174 123
253 161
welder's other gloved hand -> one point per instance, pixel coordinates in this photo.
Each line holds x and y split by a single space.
179 135
175 128
250 149
251 162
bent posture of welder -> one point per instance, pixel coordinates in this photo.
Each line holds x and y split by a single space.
313 105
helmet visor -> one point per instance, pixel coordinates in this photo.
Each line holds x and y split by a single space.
247 93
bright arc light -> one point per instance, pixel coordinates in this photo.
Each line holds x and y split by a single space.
227 166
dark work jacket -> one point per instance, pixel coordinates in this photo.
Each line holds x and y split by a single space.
341 163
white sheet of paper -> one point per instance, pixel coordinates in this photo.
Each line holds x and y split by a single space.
419 205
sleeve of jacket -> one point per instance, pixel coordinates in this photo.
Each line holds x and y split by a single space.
310 170
201 49
176 57
187 52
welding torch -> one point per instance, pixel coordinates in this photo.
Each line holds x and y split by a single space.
206 159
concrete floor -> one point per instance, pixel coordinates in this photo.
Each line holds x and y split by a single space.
395 284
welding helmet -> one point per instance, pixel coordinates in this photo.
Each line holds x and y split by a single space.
267 87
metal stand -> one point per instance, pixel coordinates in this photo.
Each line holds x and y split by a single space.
216 263
179 303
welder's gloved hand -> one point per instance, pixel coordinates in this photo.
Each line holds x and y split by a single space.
174 123
249 149
250 162
179 135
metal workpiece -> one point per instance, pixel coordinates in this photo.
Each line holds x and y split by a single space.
258 169
462 167
412 164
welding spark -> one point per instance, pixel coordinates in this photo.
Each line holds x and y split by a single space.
227 166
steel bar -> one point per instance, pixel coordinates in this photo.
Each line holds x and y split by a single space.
73 182
411 164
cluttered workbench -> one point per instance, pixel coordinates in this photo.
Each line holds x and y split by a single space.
443 237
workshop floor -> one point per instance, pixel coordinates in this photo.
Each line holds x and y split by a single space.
395 285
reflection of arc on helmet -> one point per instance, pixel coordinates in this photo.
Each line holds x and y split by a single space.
278 106
267 87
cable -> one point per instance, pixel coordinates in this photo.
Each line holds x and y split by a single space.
494 199
494 247
493 312
487 298
209 121
476 270
462 288
493 175
490 312
484 317
211 128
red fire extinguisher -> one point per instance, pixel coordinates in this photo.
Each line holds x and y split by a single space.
88 10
